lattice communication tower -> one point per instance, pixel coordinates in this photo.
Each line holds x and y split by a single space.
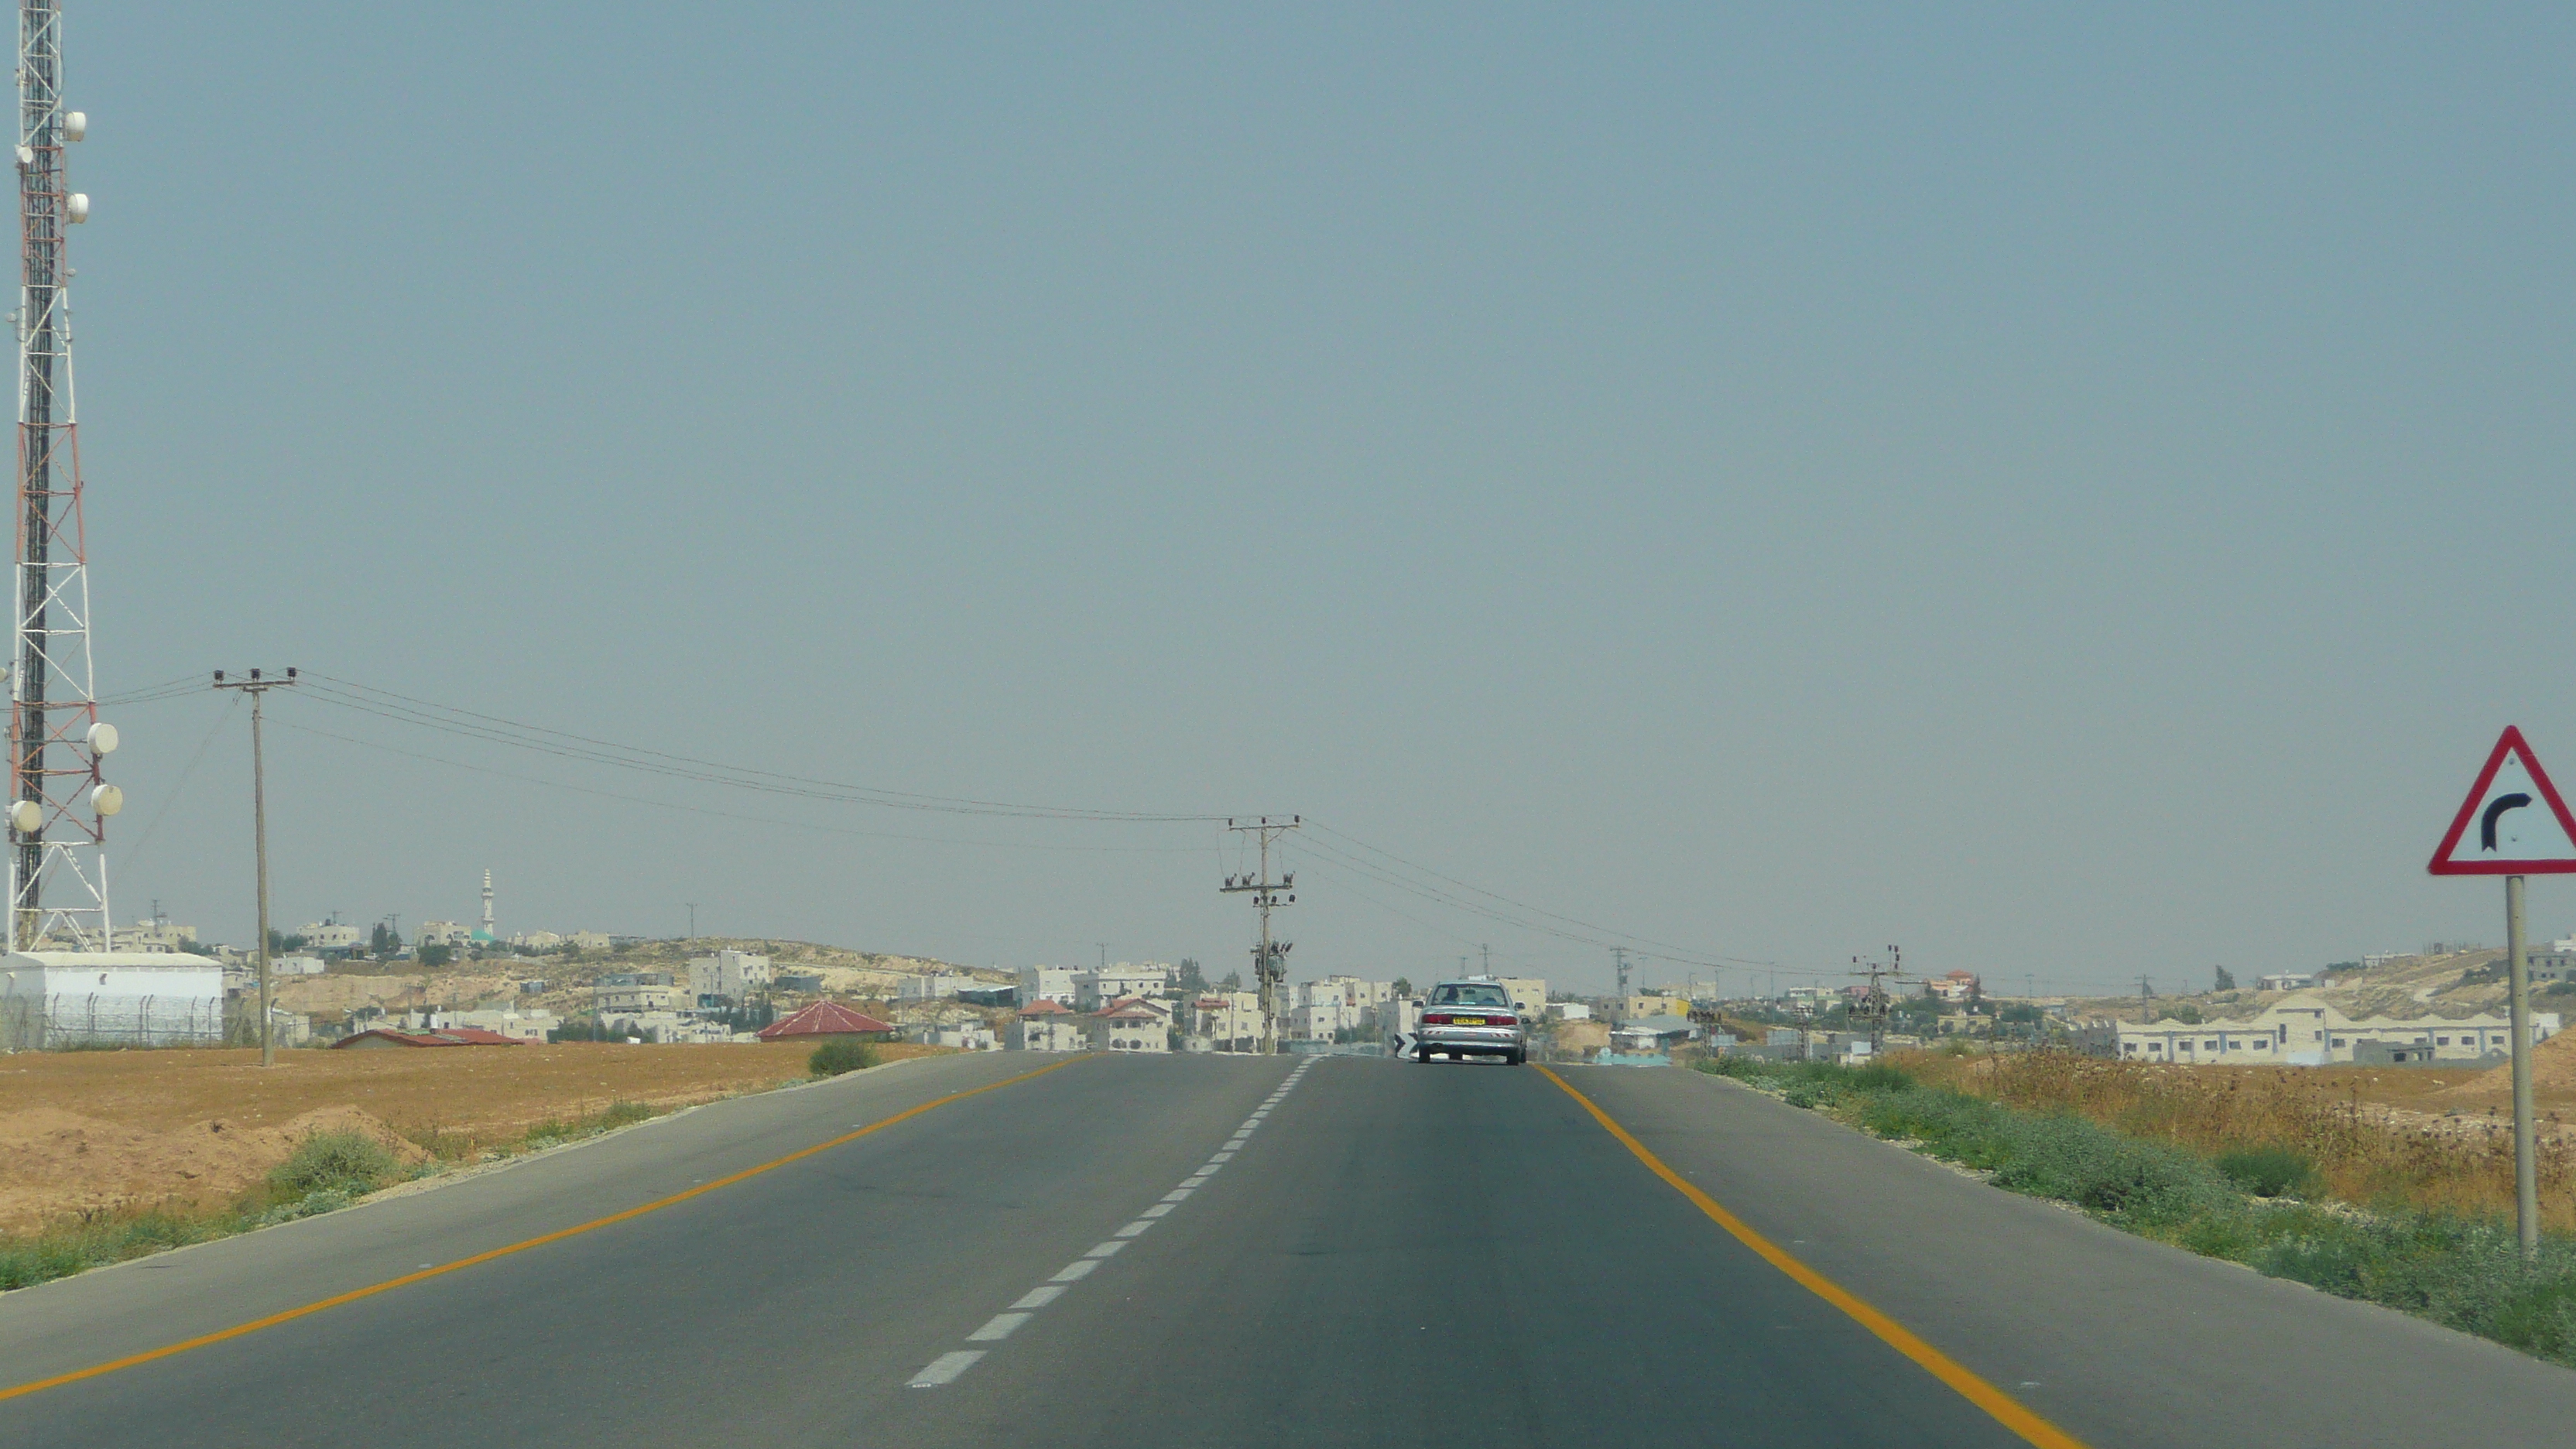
58 809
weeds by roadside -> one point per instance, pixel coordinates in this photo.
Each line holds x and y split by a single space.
2458 1269
833 1058
328 1170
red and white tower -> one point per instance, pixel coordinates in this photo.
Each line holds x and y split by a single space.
58 804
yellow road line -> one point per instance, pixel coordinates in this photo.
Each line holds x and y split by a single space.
290 1315
2002 1407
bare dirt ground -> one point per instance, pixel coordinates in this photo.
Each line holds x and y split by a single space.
84 1132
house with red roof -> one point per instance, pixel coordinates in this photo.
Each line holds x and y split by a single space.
1048 1026
1131 1024
825 1019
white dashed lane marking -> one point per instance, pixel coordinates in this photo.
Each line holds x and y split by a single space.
998 1327
945 1368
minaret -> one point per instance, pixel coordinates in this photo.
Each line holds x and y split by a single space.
487 907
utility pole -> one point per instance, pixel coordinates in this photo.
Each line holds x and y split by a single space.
257 688
693 918
1104 954
2147 1004
1619 958
1269 959
1875 1006
1488 958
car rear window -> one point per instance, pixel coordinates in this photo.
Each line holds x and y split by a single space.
1469 996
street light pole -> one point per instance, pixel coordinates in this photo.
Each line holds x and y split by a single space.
257 688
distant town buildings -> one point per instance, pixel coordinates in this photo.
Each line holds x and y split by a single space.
2308 1031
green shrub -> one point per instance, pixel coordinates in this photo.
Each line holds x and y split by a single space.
2268 1171
338 1161
833 1058
622 1114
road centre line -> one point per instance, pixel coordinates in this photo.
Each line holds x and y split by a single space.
945 1368
239 1330
2003 1408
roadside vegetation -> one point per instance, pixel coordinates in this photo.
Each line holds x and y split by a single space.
327 1170
2222 1173
833 1058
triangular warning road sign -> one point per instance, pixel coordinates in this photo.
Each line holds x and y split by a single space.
2513 822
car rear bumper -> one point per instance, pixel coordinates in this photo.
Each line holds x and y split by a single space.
1475 1041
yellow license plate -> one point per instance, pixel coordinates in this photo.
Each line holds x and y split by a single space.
1466 1021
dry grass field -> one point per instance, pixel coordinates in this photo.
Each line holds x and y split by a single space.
2432 1139
87 1133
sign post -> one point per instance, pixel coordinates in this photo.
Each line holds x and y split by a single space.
2514 825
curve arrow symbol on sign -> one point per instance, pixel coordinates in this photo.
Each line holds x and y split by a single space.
2487 822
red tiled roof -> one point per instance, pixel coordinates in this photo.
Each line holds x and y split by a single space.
823 1018
1043 1006
446 1037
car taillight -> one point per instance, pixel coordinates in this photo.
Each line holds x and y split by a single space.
1435 1018
1506 1019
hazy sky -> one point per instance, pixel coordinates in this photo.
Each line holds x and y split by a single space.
2072 494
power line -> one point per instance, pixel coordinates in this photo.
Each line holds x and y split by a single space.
389 704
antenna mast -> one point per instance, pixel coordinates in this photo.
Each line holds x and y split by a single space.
55 739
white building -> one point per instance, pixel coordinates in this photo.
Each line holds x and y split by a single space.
332 936
1569 1011
1323 1020
535 941
527 1026
965 1036
140 998
156 934
932 985
1095 990
1059 984
2287 981
1229 1019
729 975
1134 1025
293 966
2306 1031
590 940
1528 993
1048 1025
633 993
1346 990
440 933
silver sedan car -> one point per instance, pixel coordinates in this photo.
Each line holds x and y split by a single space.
1470 1019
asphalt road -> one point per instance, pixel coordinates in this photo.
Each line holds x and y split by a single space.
1383 1253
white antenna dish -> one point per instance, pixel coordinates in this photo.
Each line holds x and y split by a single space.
106 800
77 207
75 125
102 738
26 817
